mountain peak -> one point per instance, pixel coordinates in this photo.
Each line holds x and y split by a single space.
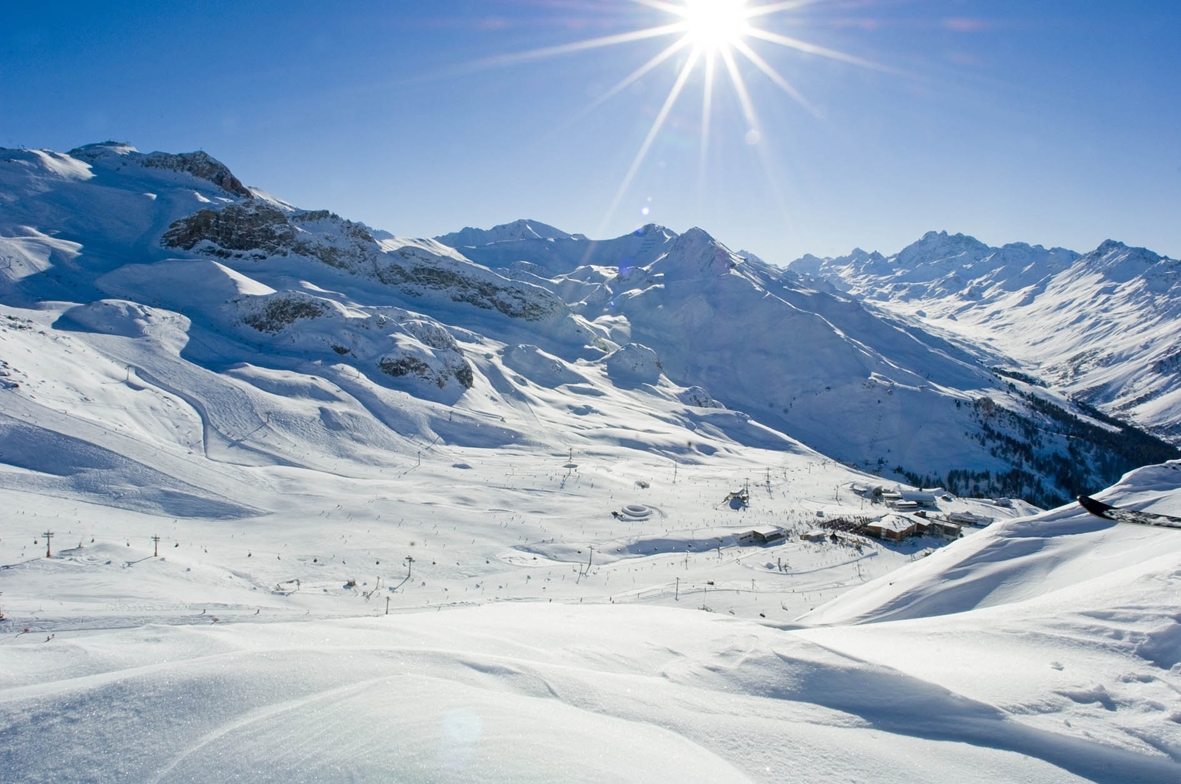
697 234
99 150
695 253
199 164
518 230
1122 263
649 229
1110 246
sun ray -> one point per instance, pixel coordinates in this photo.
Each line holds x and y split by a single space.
661 5
657 124
622 85
640 73
707 102
775 77
775 8
706 120
748 107
579 46
711 30
821 51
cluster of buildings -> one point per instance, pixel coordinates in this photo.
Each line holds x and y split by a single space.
912 513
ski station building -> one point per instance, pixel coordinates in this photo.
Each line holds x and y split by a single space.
893 527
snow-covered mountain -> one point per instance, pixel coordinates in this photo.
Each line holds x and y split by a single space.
508 232
1101 327
323 503
129 237
860 385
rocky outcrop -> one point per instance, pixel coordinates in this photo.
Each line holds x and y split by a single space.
437 373
237 230
201 165
282 311
698 397
390 340
417 274
258 230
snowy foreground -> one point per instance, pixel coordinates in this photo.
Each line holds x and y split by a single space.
1038 649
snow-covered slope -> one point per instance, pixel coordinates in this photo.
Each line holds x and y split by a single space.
1101 326
867 388
327 504
1067 620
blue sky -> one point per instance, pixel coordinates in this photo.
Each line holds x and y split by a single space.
1057 122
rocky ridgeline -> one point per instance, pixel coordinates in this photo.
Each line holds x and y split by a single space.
199 164
256 230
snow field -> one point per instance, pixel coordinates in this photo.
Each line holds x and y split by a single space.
509 553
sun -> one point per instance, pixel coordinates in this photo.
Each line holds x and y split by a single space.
713 25
714 36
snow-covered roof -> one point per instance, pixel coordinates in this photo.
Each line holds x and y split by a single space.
894 522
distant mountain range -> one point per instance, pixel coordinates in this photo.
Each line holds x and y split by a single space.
949 364
1103 327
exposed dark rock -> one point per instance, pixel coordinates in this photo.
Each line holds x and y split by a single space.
202 165
282 312
235 229
509 300
406 366
464 375
257 230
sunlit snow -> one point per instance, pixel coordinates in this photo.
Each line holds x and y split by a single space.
426 512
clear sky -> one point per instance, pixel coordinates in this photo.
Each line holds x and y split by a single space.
1055 122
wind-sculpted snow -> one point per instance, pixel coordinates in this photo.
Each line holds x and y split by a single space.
519 694
29 252
1062 613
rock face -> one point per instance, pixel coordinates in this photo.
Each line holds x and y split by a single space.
416 274
238 230
199 164
202 165
281 312
256 230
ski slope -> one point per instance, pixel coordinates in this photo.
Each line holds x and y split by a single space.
328 504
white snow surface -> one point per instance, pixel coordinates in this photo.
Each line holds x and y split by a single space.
510 555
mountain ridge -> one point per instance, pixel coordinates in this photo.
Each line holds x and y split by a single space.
307 291
1100 325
